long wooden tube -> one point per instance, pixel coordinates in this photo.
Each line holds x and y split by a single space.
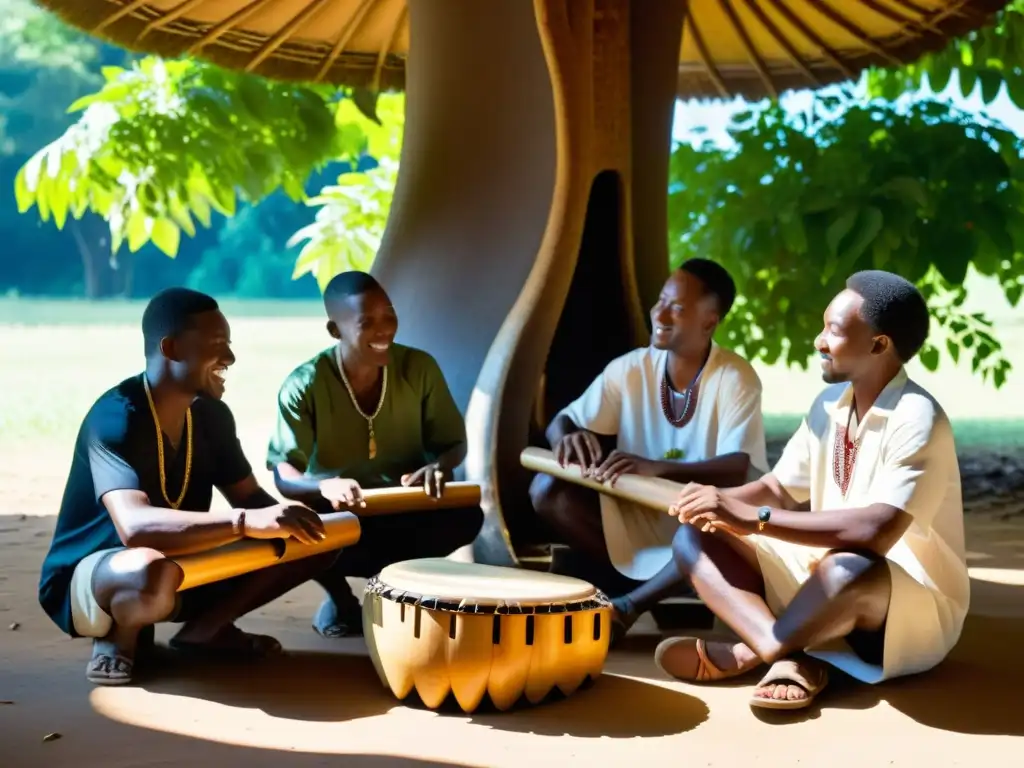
343 530
653 492
250 555
388 501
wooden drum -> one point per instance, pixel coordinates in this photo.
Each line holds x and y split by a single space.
469 629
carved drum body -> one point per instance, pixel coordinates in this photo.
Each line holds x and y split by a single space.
473 630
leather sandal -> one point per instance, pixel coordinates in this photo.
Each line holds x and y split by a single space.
790 672
706 672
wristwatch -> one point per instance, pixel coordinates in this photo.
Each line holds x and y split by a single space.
764 514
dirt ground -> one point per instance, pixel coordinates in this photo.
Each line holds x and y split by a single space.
323 705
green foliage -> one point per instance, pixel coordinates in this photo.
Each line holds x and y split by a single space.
249 259
35 38
353 212
163 144
805 199
43 66
992 56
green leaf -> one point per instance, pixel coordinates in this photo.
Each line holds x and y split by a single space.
905 188
954 350
22 195
165 236
1013 294
929 356
365 100
840 228
991 82
138 229
869 224
793 234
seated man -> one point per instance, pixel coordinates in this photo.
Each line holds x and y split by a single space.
147 457
369 413
683 409
852 549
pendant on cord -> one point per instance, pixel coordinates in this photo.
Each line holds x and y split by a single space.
373 443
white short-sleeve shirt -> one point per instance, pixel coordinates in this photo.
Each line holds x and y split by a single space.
625 400
907 459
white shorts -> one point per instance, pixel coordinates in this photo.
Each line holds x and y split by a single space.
87 617
921 628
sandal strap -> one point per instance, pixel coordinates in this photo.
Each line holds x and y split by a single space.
706 669
113 662
790 672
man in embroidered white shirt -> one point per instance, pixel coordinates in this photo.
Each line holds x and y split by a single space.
682 409
851 551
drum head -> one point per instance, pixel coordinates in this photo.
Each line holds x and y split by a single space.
483 584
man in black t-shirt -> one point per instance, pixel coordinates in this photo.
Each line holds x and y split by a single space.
147 458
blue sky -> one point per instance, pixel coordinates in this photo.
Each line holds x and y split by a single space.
714 117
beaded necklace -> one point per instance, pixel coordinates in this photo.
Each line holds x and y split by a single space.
372 448
160 449
844 454
689 400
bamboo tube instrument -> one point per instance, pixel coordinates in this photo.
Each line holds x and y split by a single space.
343 530
653 492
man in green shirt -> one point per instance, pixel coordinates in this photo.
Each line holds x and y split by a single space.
369 413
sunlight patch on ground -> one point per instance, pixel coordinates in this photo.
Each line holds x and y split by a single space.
1010 576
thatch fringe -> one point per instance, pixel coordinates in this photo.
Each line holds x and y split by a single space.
797 28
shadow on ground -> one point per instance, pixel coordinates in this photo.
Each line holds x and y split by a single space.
336 687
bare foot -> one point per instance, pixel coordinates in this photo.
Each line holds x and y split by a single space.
791 684
696 660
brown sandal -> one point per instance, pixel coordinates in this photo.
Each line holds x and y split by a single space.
707 671
791 672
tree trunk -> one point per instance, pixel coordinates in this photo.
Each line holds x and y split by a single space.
522 194
104 277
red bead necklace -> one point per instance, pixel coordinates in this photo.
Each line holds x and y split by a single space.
844 455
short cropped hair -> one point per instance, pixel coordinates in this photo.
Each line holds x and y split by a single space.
894 307
717 281
346 284
170 313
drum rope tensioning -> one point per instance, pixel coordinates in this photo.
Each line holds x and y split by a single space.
471 630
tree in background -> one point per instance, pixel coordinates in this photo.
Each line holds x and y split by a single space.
804 199
991 57
165 144
924 191
45 65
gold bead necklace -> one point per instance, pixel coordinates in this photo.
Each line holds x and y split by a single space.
372 447
160 449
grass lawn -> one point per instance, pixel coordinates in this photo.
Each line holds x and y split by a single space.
56 357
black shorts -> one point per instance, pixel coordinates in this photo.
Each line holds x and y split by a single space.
192 603
869 646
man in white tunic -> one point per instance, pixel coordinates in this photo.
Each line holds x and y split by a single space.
851 551
680 410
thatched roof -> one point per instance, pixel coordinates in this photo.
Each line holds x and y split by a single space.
751 48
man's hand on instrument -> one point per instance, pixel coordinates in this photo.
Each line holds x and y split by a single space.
342 492
284 521
707 508
581 448
621 463
431 477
